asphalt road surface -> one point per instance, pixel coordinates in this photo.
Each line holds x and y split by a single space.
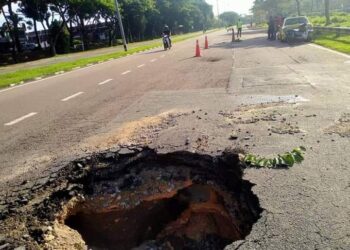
46 117
273 96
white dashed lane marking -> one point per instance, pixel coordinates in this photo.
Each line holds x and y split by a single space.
72 96
105 82
126 72
142 65
153 60
21 119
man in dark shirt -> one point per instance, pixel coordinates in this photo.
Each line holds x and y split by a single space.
272 28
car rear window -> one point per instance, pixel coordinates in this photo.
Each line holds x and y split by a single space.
294 21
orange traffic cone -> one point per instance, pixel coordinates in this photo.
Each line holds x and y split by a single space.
206 46
198 50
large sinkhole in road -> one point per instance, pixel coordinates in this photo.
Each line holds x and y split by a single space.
179 200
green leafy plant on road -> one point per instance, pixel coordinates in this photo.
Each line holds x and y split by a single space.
286 160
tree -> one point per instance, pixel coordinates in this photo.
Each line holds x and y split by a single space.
6 28
61 7
36 10
229 18
207 12
134 13
142 18
262 9
298 7
190 15
107 12
328 19
81 11
13 22
62 45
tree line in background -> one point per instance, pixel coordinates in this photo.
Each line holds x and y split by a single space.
143 19
230 18
264 8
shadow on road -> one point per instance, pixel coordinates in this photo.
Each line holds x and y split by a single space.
255 42
154 51
246 32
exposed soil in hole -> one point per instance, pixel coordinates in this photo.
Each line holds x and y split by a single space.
138 199
178 201
194 215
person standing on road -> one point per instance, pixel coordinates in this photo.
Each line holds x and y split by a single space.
239 28
271 30
279 24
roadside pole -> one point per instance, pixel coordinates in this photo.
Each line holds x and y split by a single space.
217 6
121 27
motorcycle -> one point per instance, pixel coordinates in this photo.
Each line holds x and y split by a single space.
166 42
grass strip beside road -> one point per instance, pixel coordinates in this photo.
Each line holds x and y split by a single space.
24 75
338 19
338 43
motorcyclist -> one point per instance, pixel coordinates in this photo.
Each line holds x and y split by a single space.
167 32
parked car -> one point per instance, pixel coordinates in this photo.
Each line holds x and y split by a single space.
29 46
296 28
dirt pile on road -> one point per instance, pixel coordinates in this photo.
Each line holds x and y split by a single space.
341 127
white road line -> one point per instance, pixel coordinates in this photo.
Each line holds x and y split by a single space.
104 82
51 77
21 119
153 60
72 96
330 50
142 65
56 76
126 72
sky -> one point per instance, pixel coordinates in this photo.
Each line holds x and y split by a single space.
239 6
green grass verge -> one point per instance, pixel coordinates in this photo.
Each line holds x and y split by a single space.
339 43
338 19
24 75
262 25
